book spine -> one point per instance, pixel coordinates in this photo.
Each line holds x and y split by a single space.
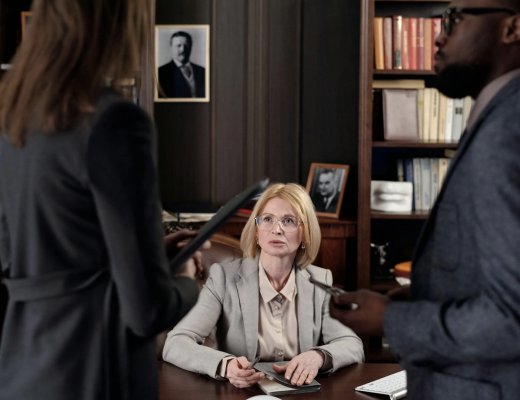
448 136
442 117
427 44
400 170
414 42
458 116
468 104
408 177
425 183
434 184
443 170
397 29
420 112
436 31
405 43
417 183
378 43
427 113
387 38
420 44
434 116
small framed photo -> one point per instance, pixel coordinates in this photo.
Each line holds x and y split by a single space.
326 186
182 63
26 19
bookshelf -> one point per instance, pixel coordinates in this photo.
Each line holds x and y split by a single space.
376 155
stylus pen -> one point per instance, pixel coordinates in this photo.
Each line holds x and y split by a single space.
333 291
253 363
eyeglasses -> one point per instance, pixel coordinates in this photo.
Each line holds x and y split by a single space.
266 222
449 20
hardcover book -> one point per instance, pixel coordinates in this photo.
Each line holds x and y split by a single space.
443 100
378 39
405 43
397 29
415 49
448 136
427 56
276 385
400 114
434 116
436 31
387 38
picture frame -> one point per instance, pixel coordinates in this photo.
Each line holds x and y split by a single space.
182 77
326 186
26 17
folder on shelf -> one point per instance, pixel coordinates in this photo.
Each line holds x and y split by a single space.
400 114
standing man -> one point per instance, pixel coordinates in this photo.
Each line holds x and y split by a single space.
181 78
325 198
457 332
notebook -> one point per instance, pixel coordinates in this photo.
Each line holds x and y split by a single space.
276 385
392 385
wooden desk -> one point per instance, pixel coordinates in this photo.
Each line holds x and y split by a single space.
175 383
333 251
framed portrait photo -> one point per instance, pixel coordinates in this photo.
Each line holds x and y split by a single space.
182 63
326 186
26 19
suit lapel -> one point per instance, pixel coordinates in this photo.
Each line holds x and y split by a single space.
465 141
305 303
248 294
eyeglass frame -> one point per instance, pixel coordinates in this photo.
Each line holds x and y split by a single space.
274 223
447 21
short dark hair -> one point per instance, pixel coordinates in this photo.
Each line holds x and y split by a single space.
328 171
182 34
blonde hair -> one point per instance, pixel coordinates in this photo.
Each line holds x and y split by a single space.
71 50
298 198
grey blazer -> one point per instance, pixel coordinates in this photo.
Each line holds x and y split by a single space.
459 336
230 301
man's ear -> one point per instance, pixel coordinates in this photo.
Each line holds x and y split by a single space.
511 33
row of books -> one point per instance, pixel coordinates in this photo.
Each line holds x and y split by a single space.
405 43
427 176
414 112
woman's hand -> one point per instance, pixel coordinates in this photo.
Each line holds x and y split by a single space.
241 377
302 368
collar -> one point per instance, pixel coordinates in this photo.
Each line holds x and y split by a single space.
267 291
178 64
488 93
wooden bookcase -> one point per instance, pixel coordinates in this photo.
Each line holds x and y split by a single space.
377 158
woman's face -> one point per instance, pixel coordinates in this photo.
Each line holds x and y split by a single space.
276 242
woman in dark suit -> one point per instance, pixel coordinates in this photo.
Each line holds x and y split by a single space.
80 232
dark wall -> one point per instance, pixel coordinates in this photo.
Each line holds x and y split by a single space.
284 94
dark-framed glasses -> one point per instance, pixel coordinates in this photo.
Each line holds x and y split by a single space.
450 19
266 222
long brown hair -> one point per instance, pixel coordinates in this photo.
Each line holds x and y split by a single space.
73 49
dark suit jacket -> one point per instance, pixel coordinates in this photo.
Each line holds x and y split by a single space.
83 258
317 199
174 84
459 336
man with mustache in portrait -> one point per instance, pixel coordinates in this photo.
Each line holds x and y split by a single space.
181 78
455 329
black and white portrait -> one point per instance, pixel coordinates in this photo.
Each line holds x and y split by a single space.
325 185
182 60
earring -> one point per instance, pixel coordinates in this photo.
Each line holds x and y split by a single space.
303 245
258 244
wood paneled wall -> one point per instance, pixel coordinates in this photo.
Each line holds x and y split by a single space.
284 94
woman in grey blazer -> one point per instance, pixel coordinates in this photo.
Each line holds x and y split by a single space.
264 305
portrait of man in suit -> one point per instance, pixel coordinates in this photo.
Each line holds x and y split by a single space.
325 187
181 77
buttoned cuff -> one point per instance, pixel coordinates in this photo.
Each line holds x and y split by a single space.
221 371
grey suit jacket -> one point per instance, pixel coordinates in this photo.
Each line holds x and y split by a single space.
230 301
81 245
459 336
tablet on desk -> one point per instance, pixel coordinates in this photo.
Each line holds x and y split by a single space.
218 220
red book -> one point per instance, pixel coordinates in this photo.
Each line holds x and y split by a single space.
420 44
387 38
397 28
405 41
436 31
413 46
428 44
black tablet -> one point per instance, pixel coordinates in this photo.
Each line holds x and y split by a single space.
219 219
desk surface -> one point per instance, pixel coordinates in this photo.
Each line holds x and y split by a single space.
175 383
